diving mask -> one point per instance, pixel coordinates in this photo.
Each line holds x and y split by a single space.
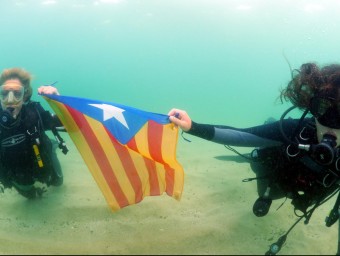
10 93
326 111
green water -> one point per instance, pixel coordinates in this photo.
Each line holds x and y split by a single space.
222 61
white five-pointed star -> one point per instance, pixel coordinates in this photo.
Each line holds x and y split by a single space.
112 111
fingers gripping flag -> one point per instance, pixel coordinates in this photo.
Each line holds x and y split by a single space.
130 153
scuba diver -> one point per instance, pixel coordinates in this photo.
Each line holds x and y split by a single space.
27 155
298 159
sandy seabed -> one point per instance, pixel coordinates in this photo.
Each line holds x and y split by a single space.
214 215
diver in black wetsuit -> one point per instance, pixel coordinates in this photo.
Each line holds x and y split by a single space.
294 158
27 155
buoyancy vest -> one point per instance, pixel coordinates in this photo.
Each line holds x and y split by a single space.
294 174
25 149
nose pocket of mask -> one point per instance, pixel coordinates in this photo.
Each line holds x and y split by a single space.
10 96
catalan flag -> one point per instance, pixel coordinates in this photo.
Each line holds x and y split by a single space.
131 153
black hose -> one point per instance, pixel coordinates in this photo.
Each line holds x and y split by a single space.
288 140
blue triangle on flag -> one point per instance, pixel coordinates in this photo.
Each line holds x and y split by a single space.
123 122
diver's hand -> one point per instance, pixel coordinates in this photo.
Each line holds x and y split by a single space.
48 89
180 118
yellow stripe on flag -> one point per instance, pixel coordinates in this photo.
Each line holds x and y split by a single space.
113 158
125 174
142 172
142 143
170 134
85 151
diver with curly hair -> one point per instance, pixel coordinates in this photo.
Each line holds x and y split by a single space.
298 159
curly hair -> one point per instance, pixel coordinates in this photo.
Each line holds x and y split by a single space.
22 75
311 80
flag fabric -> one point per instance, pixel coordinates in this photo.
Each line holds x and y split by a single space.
130 153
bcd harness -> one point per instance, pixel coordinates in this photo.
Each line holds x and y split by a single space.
30 124
33 133
306 173
296 174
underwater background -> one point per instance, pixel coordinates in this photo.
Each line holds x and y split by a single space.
223 61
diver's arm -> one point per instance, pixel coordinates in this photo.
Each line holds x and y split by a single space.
232 136
56 123
258 136
50 121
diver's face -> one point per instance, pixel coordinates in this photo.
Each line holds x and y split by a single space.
11 96
322 130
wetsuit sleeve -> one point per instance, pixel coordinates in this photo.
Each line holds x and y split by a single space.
49 120
266 135
52 120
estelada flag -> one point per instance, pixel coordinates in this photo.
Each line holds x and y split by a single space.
131 153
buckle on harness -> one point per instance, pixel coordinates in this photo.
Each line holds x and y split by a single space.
34 135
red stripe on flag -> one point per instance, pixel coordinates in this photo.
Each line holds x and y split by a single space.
132 144
100 156
169 179
155 133
129 167
153 179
